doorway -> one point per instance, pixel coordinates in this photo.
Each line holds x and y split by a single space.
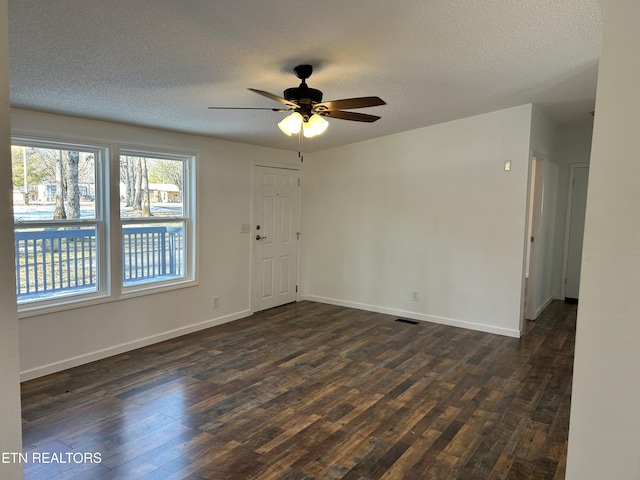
534 227
276 198
576 209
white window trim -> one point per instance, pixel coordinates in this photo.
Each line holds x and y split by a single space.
108 216
188 216
101 154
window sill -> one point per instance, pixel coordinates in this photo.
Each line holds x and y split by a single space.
34 310
153 288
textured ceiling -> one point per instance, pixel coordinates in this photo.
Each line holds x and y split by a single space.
160 63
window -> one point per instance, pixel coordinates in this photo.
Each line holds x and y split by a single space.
58 221
63 215
155 212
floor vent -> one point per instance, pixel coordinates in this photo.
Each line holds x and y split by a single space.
404 320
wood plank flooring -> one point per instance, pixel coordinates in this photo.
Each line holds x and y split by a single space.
313 391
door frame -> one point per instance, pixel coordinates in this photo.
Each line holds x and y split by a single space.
535 209
567 227
282 166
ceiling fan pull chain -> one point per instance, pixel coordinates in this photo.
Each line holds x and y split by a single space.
300 146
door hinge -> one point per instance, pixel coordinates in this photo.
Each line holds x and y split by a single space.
531 239
298 181
296 288
297 235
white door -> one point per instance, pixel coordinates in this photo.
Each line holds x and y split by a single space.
576 213
275 237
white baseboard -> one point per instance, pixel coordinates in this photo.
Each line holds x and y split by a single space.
417 316
126 347
544 305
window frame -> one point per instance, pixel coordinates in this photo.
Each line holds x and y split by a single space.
100 220
189 161
109 224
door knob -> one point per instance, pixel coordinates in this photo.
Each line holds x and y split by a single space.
258 237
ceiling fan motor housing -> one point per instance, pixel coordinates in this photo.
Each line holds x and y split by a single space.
305 97
303 94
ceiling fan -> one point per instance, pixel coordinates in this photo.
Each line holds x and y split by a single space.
308 108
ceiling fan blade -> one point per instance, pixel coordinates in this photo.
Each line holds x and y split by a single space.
251 108
356 117
276 98
349 103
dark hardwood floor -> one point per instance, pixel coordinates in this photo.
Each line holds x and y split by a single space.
312 391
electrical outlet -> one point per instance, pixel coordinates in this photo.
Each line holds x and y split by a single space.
215 302
414 296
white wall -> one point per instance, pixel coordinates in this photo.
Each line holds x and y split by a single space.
10 415
604 434
430 210
56 341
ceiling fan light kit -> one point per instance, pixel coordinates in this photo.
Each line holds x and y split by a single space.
314 126
309 110
294 122
291 124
